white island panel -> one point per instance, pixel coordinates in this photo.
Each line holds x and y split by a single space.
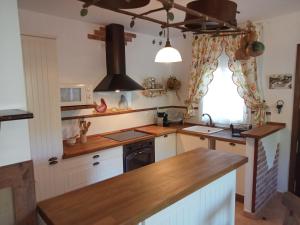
213 204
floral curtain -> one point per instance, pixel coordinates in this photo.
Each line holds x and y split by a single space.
206 51
244 73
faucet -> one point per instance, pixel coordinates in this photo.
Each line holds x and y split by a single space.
210 119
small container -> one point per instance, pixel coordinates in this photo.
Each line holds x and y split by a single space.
71 141
83 139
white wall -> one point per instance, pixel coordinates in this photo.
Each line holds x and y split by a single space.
281 36
81 60
14 140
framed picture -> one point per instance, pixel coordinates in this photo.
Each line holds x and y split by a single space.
280 81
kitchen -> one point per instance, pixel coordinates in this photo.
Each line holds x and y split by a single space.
59 36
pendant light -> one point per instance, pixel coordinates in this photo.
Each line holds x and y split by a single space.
168 54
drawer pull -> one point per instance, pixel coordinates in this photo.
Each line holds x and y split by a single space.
232 144
96 163
165 136
52 159
202 138
52 163
96 156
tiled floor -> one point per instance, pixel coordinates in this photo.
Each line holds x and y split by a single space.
273 214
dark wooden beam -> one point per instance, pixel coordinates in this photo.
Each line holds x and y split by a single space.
184 22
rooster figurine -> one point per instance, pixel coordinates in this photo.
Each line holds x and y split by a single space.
102 107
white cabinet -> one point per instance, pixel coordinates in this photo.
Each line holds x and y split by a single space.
189 142
237 149
88 169
165 147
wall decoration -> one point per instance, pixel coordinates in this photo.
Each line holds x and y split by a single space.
280 81
250 46
174 84
102 107
279 105
153 88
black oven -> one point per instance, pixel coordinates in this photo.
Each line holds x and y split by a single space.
138 154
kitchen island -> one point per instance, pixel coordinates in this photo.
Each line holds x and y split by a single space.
196 187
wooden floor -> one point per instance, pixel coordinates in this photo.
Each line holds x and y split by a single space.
273 214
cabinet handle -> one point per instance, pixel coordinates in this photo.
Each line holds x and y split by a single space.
165 136
96 156
52 159
96 163
232 144
202 138
52 163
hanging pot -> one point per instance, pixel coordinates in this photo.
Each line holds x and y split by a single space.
255 49
224 10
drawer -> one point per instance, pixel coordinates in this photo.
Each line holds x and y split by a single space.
94 157
190 142
231 147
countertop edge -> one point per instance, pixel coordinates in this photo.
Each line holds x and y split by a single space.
263 131
96 149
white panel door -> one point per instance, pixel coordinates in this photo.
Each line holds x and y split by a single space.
165 147
189 142
42 90
240 150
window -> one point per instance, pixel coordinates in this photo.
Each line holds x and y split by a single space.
222 100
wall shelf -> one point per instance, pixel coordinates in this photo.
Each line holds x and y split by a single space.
76 107
111 113
14 114
154 92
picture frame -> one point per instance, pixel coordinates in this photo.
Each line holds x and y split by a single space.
280 81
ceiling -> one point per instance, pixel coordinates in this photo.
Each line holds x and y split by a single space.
250 10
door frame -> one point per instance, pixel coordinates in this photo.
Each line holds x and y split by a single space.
295 125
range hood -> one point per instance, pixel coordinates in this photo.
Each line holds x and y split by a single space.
116 78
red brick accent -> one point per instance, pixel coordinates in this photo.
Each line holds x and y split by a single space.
266 179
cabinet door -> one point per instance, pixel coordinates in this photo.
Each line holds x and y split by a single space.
188 142
42 92
88 169
111 163
165 147
237 149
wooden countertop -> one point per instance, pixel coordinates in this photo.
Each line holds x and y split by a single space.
132 197
224 135
157 130
96 143
264 130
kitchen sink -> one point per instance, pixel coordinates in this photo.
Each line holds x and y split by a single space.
203 129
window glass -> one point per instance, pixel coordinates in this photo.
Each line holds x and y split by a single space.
222 100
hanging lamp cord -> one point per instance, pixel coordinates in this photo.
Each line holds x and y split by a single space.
168 43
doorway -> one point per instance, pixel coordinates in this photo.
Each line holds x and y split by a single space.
294 178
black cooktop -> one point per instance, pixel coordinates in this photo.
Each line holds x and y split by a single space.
125 135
